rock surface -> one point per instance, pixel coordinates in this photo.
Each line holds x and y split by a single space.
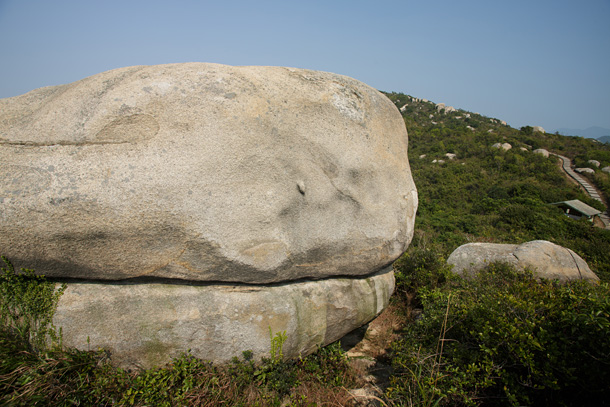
541 151
539 129
145 325
205 172
585 170
547 260
196 206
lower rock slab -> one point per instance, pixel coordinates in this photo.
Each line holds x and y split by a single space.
146 324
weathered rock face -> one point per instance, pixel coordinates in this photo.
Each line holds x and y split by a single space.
172 182
205 172
217 322
547 260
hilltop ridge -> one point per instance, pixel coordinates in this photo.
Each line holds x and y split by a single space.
422 115
594 132
439 113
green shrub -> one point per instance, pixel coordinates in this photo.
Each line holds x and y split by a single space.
27 304
420 267
507 339
71 377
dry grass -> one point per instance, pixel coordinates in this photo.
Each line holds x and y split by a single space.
382 331
316 394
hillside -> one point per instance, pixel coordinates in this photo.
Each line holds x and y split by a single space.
502 337
488 194
499 340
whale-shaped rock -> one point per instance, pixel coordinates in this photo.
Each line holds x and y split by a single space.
204 175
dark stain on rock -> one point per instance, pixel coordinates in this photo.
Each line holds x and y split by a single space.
22 180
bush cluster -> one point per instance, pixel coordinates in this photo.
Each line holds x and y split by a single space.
505 338
70 377
27 304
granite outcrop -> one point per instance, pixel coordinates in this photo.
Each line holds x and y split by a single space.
184 178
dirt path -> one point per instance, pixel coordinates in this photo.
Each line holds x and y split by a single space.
367 349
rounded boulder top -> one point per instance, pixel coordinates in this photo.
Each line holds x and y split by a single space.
205 172
545 259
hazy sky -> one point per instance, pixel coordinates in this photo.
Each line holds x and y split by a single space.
529 62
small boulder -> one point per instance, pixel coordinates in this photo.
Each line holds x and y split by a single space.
606 169
539 129
547 260
585 170
542 152
594 163
450 156
504 146
440 107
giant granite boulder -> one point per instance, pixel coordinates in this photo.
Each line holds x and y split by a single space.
195 206
546 260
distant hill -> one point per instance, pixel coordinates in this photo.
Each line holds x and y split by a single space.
604 139
591 132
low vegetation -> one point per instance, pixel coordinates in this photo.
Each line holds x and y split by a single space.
503 339
488 194
47 375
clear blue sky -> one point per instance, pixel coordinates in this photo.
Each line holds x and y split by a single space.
529 62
